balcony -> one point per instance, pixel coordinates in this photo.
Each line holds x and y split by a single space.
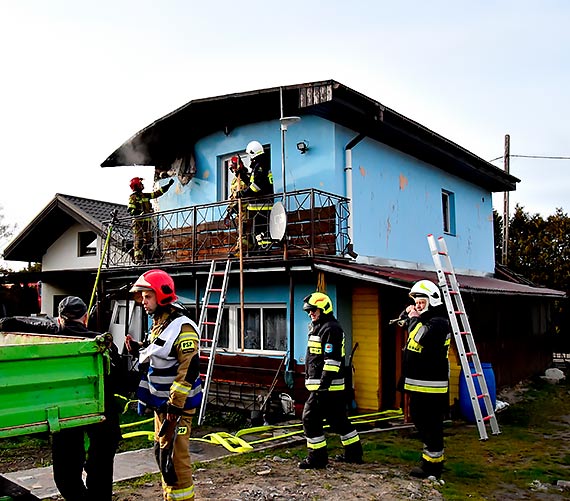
316 224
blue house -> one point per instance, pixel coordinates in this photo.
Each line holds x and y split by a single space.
358 187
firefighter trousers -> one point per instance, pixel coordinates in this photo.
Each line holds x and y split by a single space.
329 405
172 452
427 411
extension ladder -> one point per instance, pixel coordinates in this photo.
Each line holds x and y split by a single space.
209 342
463 337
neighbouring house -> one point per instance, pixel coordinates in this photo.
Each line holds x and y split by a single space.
358 187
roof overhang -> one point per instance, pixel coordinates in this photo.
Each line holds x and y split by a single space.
171 136
404 278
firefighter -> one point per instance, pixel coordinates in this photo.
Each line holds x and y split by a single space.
139 206
172 387
324 378
68 445
426 373
260 187
239 185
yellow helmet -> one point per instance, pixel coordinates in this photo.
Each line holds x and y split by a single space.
318 300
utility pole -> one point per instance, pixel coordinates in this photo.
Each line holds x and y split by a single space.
506 158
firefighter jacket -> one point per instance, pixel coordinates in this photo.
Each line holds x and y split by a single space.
172 383
426 367
238 187
324 361
260 181
139 202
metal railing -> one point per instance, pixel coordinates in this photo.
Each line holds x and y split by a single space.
317 224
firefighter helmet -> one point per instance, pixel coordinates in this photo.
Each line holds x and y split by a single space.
318 300
160 283
136 183
427 289
254 149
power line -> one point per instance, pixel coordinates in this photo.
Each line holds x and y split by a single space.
531 156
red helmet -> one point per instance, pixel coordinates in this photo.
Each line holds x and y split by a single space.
160 283
135 183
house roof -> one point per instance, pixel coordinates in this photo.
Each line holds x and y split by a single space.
61 213
404 278
169 137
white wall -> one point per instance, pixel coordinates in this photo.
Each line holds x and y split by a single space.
63 253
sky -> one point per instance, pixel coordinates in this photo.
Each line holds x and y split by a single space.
79 78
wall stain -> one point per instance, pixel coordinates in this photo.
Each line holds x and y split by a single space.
403 182
362 171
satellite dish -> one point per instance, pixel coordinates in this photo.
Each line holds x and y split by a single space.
277 221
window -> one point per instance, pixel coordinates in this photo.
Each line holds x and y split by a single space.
226 175
448 207
265 329
87 243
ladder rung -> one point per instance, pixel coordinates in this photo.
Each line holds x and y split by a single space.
469 353
483 395
212 306
487 418
458 312
476 374
209 323
205 340
218 273
466 333
215 290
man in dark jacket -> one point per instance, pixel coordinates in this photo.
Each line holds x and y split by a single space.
426 372
68 446
324 378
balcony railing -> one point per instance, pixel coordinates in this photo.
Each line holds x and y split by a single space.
316 224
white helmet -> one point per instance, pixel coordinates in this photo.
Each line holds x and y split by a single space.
427 289
254 149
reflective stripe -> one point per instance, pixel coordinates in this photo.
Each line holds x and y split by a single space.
181 388
412 344
350 438
423 386
331 368
332 362
312 384
258 207
178 494
316 442
433 457
314 338
336 387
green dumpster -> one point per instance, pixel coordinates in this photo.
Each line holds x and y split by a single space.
49 383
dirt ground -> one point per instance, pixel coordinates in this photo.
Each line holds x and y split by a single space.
278 479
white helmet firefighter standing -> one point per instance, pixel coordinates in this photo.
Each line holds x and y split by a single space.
260 187
425 375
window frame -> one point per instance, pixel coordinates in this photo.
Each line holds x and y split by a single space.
233 329
83 243
448 212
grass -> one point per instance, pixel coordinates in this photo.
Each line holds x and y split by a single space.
534 446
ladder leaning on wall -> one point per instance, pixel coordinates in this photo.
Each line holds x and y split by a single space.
210 329
468 356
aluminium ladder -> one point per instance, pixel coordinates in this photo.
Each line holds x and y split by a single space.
209 342
463 337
